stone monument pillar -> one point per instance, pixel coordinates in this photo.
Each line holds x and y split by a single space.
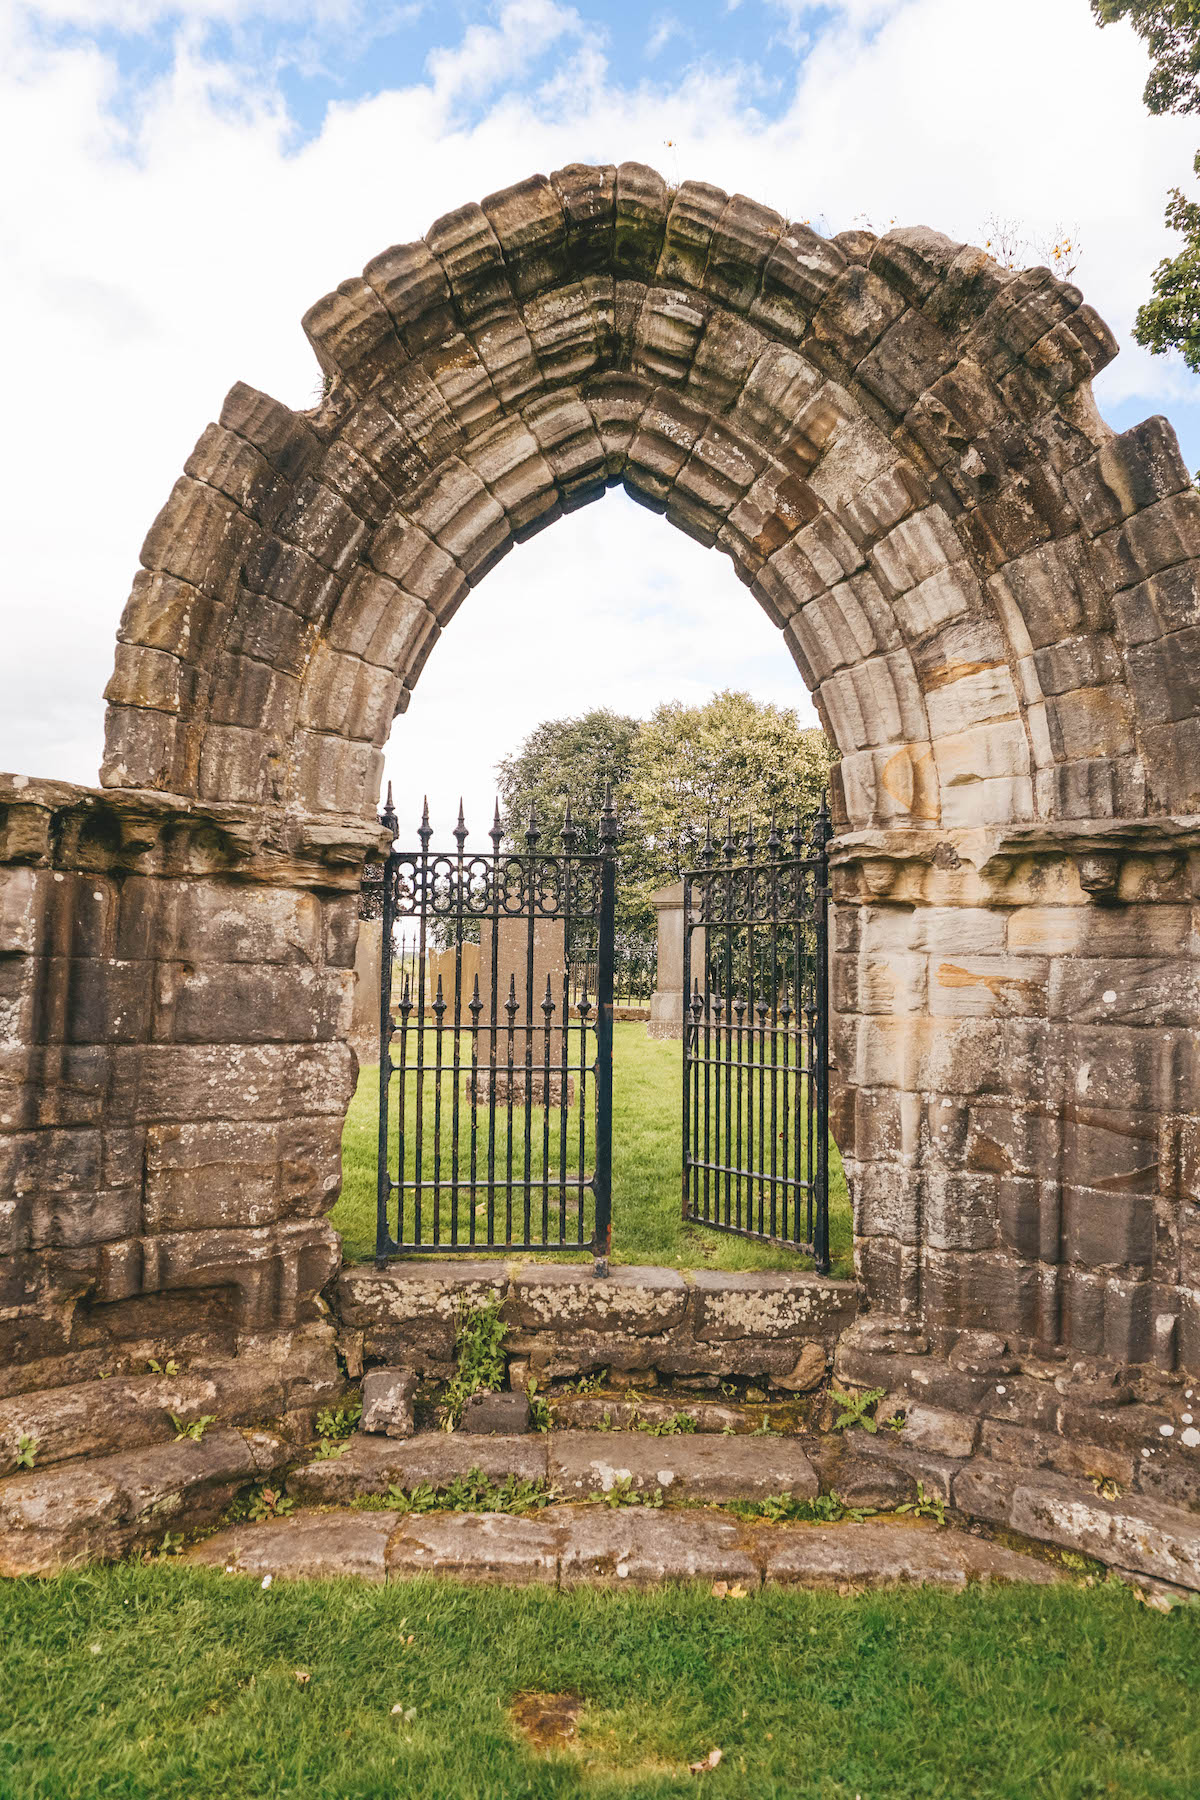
666 1002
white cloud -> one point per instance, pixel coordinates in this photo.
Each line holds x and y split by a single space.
664 30
153 256
491 55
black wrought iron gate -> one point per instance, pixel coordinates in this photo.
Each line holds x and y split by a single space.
756 1038
495 1064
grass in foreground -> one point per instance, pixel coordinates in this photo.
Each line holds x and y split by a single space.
161 1683
647 1166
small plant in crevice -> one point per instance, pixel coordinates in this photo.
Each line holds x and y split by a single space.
586 1384
472 1492
823 1509
857 1409
539 1406
329 1449
268 1503
172 1545
194 1429
335 1422
764 1428
170 1367
27 1447
479 1357
623 1493
680 1424
925 1506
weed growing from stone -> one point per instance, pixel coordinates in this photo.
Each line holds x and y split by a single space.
925 1506
623 1493
539 1406
170 1367
680 1424
339 1421
193 1428
26 1451
825 1509
479 1357
268 1503
586 1384
857 1409
472 1492
329 1449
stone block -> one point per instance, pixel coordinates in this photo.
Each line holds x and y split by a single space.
944 1433
1132 1533
476 1547
387 1402
769 1305
306 1547
99 1510
635 1302
505 1414
875 1554
372 1465
698 1468
636 1547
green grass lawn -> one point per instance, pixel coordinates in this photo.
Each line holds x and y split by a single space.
647 1227
160 1683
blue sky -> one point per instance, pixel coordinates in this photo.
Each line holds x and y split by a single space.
185 179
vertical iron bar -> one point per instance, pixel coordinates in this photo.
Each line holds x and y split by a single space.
424 832
460 835
496 833
384 1179
822 834
602 1181
687 1027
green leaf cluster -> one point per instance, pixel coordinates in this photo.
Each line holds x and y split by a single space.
472 1492
733 761
479 1358
1170 29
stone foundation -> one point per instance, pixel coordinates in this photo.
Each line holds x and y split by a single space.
563 1321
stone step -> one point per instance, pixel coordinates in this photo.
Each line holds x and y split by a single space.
571 1546
102 1417
98 1510
577 1463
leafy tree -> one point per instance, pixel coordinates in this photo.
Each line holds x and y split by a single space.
1171 31
733 759
671 774
1170 320
569 759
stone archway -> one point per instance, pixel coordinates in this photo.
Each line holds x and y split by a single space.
994 600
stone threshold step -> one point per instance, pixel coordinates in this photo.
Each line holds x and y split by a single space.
122 1411
99 1510
577 1463
567 1546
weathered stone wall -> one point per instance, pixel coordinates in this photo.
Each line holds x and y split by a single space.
1019 1083
995 600
175 984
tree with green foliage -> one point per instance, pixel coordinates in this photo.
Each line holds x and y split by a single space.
569 760
1170 30
1170 320
672 774
732 759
